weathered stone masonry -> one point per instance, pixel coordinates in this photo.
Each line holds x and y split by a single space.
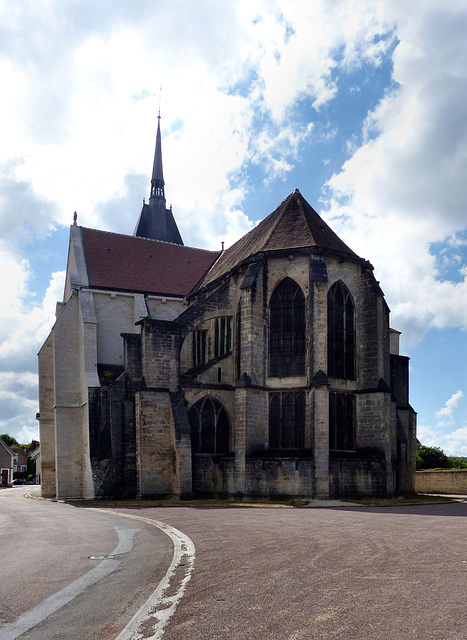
198 409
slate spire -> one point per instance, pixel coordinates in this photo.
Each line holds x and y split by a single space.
156 221
157 181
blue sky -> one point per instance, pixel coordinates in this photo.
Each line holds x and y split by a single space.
360 104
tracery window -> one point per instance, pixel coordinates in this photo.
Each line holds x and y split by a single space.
287 330
341 333
341 421
210 427
222 336
287 420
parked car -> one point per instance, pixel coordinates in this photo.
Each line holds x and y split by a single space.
19 481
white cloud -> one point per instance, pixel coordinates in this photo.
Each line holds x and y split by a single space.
455 443
23 329
78 127
82 132
404 187
427 436
451 406
18 400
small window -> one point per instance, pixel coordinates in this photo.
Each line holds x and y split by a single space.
341 421
287 421
199 347
222 336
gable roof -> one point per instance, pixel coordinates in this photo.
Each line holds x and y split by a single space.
12 453
294 224
128 263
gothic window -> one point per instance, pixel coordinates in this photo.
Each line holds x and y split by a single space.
210 427
238 344
222 336
341 333
287 330
287 421
199 347
341 421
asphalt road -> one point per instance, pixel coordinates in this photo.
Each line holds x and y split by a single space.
343 573
260 573
47 546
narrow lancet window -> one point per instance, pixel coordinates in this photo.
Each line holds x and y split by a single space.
287 330
341 333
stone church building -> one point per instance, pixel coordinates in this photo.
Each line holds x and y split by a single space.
266 370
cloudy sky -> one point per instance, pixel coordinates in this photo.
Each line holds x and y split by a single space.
358 103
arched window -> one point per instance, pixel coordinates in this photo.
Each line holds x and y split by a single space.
341 333
287 421
210 427
238 344
287 330
341 421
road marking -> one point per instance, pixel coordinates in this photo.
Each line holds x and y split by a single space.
159 608
53 603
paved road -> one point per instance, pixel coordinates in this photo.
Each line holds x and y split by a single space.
46 547
303 574
262 574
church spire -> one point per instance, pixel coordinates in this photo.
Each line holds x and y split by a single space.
155 220
157 180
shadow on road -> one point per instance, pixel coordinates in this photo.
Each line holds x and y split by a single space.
449 509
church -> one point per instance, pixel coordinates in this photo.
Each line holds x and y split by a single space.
264 371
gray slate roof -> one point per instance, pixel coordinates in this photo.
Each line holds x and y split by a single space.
294 224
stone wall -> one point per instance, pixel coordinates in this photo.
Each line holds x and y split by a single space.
357 477
156 462
72 363
160 354
445 481
213 476
372 420
284 477
46 418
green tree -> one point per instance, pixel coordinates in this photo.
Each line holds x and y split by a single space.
458 462
432 458
31 468
8 440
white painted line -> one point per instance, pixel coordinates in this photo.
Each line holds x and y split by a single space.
159 608
53 603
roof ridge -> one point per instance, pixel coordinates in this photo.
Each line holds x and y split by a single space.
139 238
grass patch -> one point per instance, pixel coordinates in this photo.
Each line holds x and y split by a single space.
226 504
200 504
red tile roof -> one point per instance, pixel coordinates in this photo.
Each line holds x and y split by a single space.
294 224
128 263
